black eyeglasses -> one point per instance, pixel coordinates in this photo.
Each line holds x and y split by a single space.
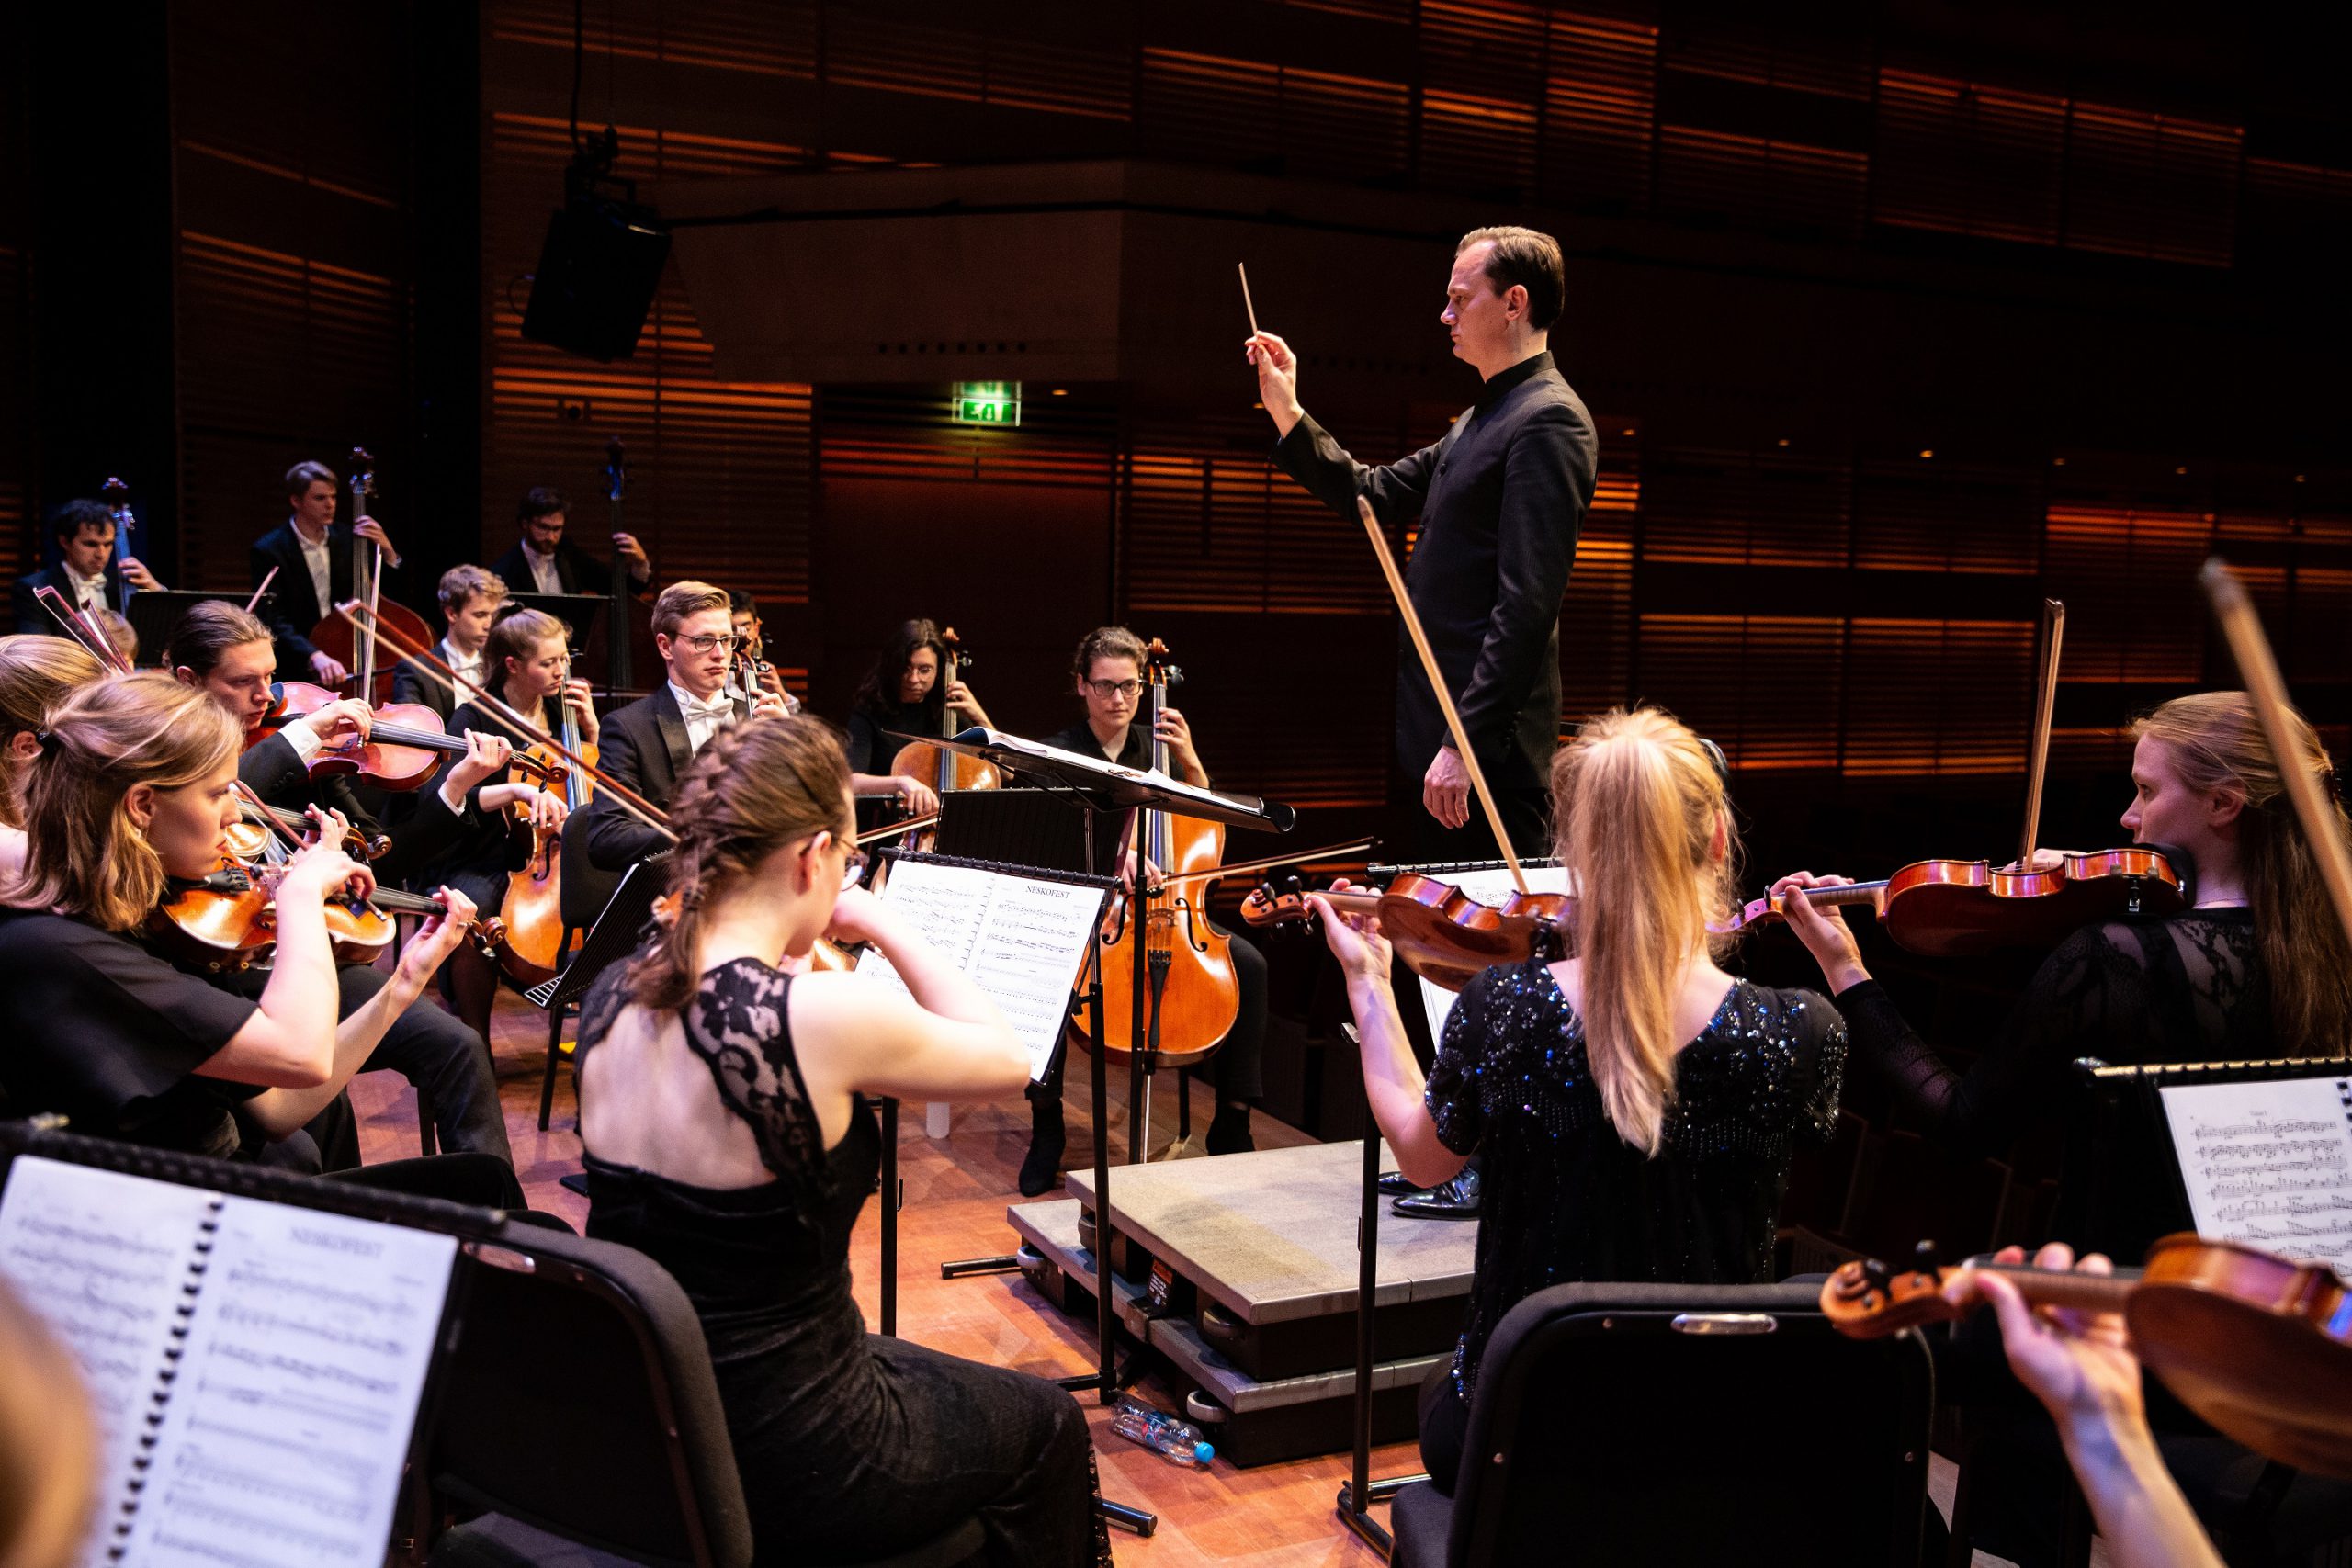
1115 688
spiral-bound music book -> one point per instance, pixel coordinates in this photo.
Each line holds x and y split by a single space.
2268 1162
255 1368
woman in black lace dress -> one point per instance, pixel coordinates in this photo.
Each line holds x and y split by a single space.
723 1110
2256 968
1636 1106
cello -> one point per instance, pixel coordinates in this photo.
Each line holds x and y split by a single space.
1194 997
334 636
533 910
947 770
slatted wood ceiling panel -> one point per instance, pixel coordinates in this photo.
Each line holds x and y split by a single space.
1482 87
2148 185
720 470
767 37
1199 107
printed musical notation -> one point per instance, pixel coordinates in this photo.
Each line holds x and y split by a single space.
1020 940
257 1367
2270 1164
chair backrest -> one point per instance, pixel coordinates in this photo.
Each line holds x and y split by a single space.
580 1399
1691 1424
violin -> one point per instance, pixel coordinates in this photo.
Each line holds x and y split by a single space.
947 770
1195 997
356 649
403 749
533 909
1947 909
249 838
226 921
1439 931
2257 1345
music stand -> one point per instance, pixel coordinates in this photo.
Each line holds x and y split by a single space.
153 613
578 612
1096 788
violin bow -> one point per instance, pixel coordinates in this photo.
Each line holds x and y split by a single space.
81 629
1437 684
2259 670
1276 862
364 619
2053 631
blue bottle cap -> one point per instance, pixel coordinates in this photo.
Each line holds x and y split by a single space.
1203 1452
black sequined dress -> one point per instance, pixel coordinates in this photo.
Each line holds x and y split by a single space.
1565 1197
2190 989
851 1446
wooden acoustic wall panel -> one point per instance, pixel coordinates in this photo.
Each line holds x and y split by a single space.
1729 507
1937 697
2129 579
1482 90
993 59
2295 215
1201 108
764 37
1915 513
719 483
1599 94
1968 158
1597 613
2150 185
21 545
1765 688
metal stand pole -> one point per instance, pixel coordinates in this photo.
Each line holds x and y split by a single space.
1361 1492
894 1197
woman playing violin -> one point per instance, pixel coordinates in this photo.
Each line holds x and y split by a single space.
1636 1106
224 653
2256 968
36 675
526 660
133 787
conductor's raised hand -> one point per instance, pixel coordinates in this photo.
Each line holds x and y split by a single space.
1277 378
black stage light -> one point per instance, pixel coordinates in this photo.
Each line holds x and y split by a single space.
600 265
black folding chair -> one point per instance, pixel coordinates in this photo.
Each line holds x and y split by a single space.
1672 1425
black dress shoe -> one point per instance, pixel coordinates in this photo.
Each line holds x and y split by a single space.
1044 1161
1454 1199
1393 1183
1229 1131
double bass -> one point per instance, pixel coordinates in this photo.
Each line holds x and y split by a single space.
1188 964
118 498
334 636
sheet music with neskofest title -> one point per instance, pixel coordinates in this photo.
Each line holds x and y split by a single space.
255 1368
1022 940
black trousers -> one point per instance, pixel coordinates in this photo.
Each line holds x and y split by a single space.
1445 1421
448 1062
1237 1071
1527 818
328 1145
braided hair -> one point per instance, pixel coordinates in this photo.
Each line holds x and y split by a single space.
752 788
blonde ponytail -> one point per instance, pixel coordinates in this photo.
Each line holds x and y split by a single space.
1639 808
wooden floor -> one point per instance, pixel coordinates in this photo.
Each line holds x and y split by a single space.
1274 1516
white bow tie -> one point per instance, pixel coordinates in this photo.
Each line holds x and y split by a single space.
717 707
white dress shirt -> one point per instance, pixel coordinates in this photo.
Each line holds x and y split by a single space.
314 556
544 577
466 664
87 593
703 719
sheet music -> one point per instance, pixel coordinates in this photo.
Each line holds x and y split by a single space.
100 1258
1488 888
306 1361
2270 1164
1020 939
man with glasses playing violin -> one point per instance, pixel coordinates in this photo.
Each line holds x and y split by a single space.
648 743
1108 673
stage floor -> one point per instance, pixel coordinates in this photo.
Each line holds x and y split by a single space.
1278 1516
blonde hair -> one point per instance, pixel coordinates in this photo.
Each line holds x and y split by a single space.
1636 804
752 788
49 1444
688 598
36 675
515 634
82 854
2216 743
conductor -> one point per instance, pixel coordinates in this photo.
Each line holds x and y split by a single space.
1499 497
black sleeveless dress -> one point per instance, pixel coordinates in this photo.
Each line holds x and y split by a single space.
850 1444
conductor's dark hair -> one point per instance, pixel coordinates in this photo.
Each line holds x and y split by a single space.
539 500
69 519
1529 259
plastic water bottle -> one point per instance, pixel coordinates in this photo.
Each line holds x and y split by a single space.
1179 1440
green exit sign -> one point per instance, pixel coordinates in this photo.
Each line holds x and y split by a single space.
987 402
